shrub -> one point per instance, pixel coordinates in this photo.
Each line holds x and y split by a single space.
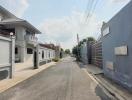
56 59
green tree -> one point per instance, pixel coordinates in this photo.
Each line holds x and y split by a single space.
74 50
91 39
62 49
77 49
84 40
67 51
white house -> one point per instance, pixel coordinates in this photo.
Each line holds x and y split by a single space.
26 41
46 54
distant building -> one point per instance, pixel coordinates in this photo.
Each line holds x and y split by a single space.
57 51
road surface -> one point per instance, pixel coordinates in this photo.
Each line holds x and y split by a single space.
64 81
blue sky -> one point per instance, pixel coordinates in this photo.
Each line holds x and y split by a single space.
60 20
52 9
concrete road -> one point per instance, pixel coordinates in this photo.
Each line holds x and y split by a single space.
64 81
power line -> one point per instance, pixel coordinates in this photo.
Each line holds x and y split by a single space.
87 12
89 9
95 2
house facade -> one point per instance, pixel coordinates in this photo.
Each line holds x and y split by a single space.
46 53
25 33
117 47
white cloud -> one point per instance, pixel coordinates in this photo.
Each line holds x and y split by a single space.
63 30
17 7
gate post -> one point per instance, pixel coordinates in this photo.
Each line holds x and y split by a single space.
12 55
37 57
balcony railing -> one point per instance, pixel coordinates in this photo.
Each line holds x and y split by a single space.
31 39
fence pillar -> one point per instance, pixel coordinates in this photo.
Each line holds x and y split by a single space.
12 56
37 57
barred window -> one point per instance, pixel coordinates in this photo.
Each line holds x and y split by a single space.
16 50
42 54
29 51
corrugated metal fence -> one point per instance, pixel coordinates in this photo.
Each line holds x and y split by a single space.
96 54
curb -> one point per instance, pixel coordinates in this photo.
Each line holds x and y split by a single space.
13 82
107 90
110 90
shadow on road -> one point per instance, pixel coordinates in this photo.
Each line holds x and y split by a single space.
81 65
99 92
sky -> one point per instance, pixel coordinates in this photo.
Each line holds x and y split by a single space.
61 20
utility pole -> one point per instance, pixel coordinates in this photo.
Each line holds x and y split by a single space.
77 47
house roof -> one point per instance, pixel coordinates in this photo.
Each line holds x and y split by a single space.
16 21
49 46
6 12
20 22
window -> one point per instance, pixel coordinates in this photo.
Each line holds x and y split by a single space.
42 54
49 54
16 50
29 51
28 32
106 31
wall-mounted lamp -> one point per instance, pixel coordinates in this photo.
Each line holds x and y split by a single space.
11 34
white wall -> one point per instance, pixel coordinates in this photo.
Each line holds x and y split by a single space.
20 33
46 53
20 41
42 49
4 52
29 57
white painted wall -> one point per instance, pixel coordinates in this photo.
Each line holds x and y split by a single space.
40 54
46 54
20 40
5 52
20 33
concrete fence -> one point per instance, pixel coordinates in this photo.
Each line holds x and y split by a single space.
7 46
84 53
44 55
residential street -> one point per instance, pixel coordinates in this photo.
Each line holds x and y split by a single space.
64 81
